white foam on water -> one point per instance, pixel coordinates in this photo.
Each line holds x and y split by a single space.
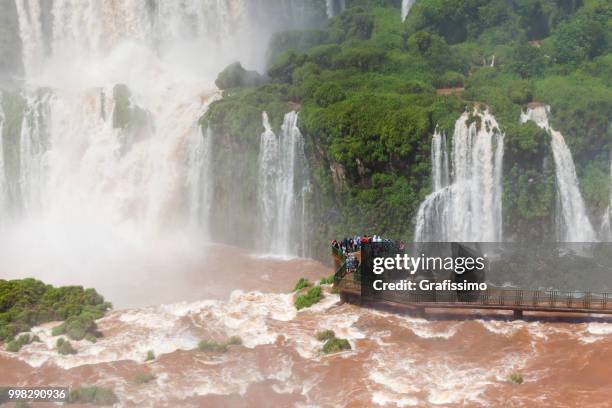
595 332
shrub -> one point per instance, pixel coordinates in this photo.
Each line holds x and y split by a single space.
28 302
58 330
15 345
515 378
328 281
450 79
234 341
335 345
212 346
216 347
329 94
325 335
64 347
36 339
150 356
314 295
235 76
301 284
77 328
143 378
93 395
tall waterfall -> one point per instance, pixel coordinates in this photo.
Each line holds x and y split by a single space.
439 160
606 221
333 7
3 183
470 207
108 159
199 179
282 187
406 6
573 223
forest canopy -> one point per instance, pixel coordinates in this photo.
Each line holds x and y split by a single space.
372 89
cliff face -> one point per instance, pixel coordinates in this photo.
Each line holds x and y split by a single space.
365 87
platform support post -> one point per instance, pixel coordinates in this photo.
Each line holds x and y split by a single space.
517 315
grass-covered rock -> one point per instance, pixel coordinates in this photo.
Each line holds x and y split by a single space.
93 395
325 335
328 280
64 347
515 378
236 76
15 345
143 378
335 345
314 295
77 328
26 303
219 347
301 284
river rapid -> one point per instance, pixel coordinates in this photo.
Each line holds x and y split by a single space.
449 359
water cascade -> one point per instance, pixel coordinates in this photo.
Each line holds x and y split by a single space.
573 223
439 160
606 221
406 6
3 185
470 207
199 179
334 7
282 185
109 159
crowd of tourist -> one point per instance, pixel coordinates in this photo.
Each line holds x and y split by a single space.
353 244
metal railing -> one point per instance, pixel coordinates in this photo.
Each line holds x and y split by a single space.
495 298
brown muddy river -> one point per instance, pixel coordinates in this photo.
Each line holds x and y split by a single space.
452 359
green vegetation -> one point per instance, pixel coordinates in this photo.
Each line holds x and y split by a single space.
150 356
143 378
515 378
301 284
365 87
335 345
93 395
216 347
328 281
314 295
78 328
64 347
15 345
332 343
29 302
325 335
235 76
234 341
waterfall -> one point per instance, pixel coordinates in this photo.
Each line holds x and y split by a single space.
573 223
3 181
606 221
439 160
104 162
30 31
470 207
334 7
406 6
282 187
199 179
